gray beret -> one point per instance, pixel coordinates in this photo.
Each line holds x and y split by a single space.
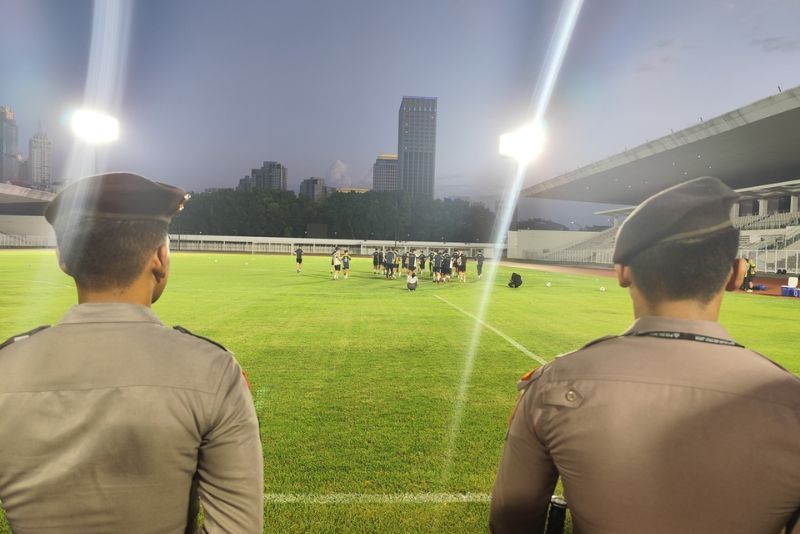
689 210
116 195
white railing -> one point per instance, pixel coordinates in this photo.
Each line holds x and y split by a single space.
602 240
590 256
287 245
767 261
274 245
26 241
771 261
766 222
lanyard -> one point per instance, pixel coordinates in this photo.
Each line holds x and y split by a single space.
688 337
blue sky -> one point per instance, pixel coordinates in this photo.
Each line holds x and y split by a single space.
214 88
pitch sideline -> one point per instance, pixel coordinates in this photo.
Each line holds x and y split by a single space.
486 325
376 498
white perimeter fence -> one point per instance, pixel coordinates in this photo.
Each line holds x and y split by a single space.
273 245
26 241
767 261
287 245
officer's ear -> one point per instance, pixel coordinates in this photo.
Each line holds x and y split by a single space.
61 264
736 278
159 264
623 275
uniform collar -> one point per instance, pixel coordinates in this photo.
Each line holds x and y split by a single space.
109 312
671 324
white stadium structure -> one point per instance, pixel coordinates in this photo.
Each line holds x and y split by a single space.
22 222
754 149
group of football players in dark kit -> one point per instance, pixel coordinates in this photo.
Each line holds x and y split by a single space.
442 265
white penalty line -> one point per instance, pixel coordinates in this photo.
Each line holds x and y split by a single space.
376 498
486 325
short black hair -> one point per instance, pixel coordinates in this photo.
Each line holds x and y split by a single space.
102 254
695 269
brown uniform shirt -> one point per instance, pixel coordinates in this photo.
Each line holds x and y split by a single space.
655 435
106 418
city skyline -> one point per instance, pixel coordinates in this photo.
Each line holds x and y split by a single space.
205 99
33 171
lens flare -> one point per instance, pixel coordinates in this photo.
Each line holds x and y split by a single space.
94 127
521 147
524 144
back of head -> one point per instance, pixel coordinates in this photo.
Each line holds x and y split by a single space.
680 243
108 225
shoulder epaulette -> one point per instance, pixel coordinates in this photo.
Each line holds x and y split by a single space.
530 377
26 335
598 340
182 330
770 360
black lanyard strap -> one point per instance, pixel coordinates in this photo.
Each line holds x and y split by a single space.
688 337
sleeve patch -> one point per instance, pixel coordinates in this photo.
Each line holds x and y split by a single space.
530 377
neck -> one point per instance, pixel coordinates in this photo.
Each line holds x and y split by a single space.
679 309
135 294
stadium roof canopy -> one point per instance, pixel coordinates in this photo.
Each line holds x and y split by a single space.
757 192
14 194
752 146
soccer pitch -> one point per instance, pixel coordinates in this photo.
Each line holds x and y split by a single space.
355 381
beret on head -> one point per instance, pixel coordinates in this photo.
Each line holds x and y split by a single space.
689 210
116 195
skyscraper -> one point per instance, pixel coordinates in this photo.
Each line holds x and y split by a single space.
9 152
314 189
271 175
39 160
384 173
416 145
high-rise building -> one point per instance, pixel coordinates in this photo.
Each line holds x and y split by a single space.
39 161
245 184
314 189
416 145
384 173
271 175
9 152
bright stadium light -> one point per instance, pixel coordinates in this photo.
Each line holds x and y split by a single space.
94 127
524 144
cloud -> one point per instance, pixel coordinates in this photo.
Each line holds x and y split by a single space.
776 44
658 55
665 43
338 174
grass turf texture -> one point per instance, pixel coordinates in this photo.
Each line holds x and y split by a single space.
355 380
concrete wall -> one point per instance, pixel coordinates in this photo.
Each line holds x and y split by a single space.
25 225
527 244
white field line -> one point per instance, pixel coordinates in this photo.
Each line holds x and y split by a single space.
375 498
486 325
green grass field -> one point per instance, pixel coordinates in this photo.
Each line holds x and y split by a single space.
355 381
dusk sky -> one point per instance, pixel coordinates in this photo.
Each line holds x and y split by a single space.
212 89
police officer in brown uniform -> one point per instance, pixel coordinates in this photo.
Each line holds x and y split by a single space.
671 427
111 421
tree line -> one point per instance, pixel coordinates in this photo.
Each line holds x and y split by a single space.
389 215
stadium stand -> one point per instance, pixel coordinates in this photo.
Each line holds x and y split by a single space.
750 149
21 221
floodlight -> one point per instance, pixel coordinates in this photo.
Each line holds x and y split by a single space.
524 144
94 127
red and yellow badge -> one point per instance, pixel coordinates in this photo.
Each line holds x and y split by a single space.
529 374
522 385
